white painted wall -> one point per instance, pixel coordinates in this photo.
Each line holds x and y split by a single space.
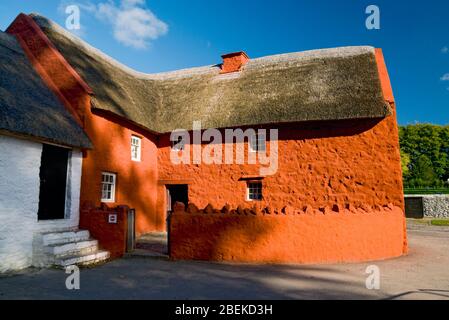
19 201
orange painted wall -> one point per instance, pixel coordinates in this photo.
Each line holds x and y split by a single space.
136 181
354 162
298 238
111 236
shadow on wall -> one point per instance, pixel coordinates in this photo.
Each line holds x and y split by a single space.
302 130
96 71
293 236
136 184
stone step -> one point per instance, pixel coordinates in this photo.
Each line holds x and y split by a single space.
83 260
72 248
55 238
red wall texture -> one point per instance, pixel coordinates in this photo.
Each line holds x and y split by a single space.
349 163
312 237
136 181
322 164
112 237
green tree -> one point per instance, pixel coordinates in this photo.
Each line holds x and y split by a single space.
427 140
405 162
423 174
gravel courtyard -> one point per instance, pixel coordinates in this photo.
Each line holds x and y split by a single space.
423 274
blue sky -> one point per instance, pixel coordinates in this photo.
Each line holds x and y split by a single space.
176 34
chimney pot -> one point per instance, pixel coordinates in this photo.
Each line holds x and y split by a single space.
233 62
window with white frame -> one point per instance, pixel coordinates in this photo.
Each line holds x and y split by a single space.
136 148
108 181
258 142
178 144
254 190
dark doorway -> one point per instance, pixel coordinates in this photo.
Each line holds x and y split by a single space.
177 193
53 176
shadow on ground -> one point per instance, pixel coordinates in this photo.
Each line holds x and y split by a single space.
157 279
423 274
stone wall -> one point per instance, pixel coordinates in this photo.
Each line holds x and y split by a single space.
19 202
427 206
306 235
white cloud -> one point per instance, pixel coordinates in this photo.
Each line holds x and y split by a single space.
445 50
132 3
445 77
133 24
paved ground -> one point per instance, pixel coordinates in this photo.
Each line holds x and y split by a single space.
155 242
423 274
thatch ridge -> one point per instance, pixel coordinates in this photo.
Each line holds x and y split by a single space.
328 84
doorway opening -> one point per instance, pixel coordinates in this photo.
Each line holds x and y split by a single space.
158 243
53 183
176 193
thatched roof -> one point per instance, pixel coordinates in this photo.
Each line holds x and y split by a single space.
27 106
332 84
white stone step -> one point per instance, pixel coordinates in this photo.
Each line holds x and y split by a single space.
72 248
55 238
83 260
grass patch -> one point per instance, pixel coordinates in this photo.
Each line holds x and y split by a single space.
440 223
429 222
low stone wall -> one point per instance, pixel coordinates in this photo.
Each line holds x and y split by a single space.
287 236
427 206
111 236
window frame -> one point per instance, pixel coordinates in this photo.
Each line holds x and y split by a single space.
258 142
249 188
139 148
113 184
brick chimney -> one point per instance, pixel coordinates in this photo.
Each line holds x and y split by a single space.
233 62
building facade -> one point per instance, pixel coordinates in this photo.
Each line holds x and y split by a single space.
333 111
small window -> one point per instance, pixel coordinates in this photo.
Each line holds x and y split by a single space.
136 144
258 142
178 144
108 187
254 191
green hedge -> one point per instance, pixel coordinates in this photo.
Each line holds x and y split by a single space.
425 191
